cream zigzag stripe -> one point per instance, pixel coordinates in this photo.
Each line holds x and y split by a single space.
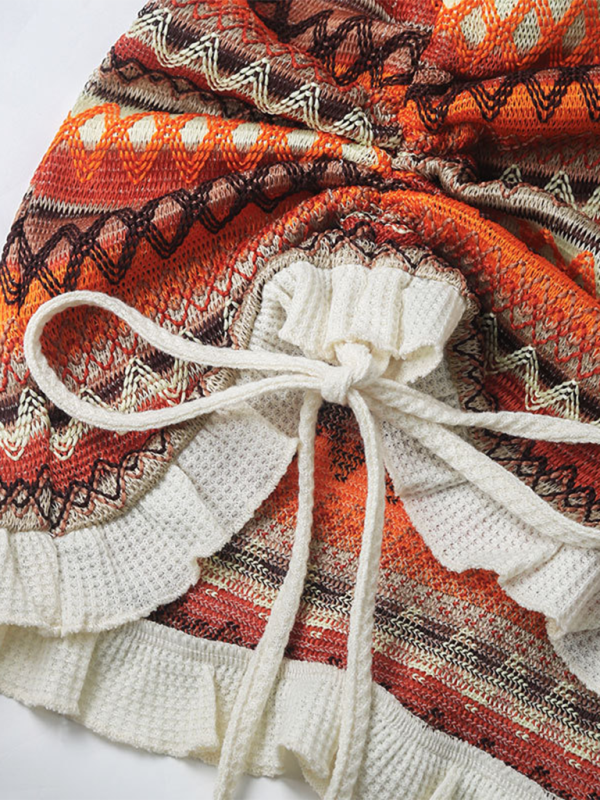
592 207
559 186
140 381
96 135
252 80
562 399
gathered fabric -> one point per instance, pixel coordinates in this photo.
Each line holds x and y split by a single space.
369 379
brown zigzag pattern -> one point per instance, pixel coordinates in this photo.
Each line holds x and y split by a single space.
214 204
546 90
106 482
370 52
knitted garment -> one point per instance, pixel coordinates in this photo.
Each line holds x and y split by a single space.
300 398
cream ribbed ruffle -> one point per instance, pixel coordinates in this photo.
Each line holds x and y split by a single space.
162 690
405 317
466 529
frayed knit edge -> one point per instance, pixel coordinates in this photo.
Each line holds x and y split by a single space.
161 690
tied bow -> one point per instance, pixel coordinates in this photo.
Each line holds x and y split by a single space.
357 380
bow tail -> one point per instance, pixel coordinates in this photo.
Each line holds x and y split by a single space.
357 690
492 478
261 673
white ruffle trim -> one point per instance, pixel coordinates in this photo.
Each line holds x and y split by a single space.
105 575
310 310
159 689
404 317
466 529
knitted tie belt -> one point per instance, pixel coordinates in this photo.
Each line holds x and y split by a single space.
357 381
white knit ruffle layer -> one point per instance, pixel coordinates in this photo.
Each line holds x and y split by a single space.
463 526
164 691
466 529
105 575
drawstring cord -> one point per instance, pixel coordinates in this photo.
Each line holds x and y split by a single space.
262 670
356 691
358 383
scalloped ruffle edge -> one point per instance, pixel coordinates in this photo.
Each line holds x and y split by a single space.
465 529
106 575
161 690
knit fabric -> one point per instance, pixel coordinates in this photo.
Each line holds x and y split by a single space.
399 203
